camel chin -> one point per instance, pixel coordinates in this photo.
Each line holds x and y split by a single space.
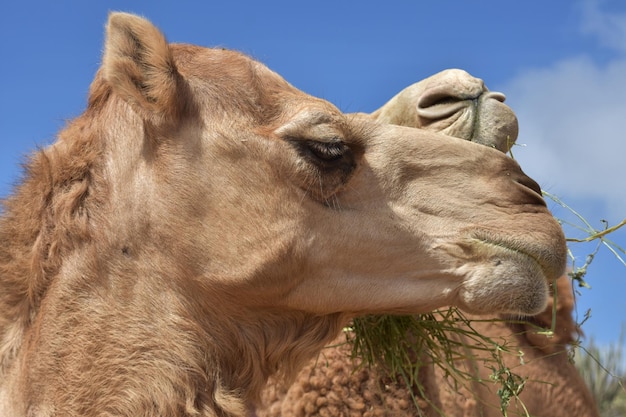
513 284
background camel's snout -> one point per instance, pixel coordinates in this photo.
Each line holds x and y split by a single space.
457 104
452 90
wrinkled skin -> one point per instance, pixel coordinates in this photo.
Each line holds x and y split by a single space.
204 225
456 104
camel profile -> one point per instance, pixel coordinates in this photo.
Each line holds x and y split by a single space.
333 384
204 225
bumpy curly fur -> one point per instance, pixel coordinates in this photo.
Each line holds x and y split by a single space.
334 385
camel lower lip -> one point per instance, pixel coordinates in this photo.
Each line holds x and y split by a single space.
515 247
507 280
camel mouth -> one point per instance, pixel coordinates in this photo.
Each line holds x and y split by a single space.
506 274
507 281
543 256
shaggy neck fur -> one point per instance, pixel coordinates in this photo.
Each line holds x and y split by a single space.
44 220
181 355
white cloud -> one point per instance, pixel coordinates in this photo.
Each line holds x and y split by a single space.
609 28
573 120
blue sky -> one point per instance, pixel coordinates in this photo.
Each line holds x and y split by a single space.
561 63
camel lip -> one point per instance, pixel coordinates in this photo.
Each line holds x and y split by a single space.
539 254
509 247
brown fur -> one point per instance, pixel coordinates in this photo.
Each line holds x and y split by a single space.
204 226
333 385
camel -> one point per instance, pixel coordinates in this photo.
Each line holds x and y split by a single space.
454 103
333 384
336 385
204 225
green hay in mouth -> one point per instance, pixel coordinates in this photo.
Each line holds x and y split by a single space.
405 344
443 338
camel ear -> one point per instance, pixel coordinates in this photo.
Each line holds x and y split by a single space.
139 66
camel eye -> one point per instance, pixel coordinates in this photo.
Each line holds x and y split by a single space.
326 151
324 166
325 154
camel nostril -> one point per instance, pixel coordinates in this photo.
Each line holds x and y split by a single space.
439 103
531 185
433 98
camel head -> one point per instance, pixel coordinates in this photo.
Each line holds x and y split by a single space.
276 199
457 104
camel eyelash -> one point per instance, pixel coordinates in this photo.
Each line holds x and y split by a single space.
327 151
324 154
